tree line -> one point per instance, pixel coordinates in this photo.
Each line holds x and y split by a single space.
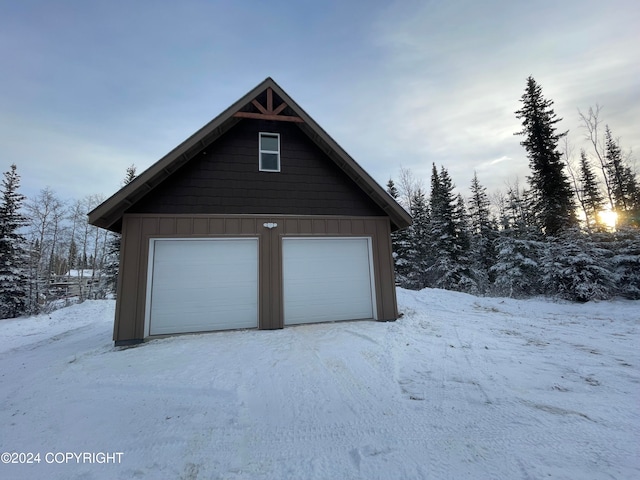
546 237
49 253
549 237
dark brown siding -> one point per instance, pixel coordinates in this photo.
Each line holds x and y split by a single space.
139 229
224 179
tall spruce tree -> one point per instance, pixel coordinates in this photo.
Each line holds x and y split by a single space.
450 267
483 235
14 284
552 194
516 271
517 213
392 190
112 262
591 197
469 276
418 253
625 190
400 244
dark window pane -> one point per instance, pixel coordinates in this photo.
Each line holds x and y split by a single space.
269 142
269 161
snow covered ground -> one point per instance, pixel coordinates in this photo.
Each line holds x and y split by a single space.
459 388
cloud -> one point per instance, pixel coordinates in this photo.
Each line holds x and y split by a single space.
458 72
94 88
72 166
491 163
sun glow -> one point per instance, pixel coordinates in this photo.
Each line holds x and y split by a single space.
608 218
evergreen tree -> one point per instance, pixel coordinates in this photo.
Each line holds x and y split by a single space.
417 254
72 261
468 281
392 190
591 198
517 214
462 224
450 268
615 172
517 269
112 260
479 208
625 191
14 283
400 244
441 233
483 235
575 268
626 262
129 175
552 194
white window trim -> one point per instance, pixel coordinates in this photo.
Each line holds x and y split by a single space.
261 151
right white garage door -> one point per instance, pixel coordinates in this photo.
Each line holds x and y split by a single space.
327 279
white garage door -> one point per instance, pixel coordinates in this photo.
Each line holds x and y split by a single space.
327 279
203 285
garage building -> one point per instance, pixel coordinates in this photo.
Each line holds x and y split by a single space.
258 220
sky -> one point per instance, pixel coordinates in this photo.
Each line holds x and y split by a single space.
90 88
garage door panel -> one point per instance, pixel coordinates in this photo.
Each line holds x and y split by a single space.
204 285
327 279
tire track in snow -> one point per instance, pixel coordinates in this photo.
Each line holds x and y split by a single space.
355 404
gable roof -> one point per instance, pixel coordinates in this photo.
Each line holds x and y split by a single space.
109 214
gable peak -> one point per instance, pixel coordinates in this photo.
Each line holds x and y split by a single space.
269 105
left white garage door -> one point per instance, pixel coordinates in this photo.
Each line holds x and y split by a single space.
203 285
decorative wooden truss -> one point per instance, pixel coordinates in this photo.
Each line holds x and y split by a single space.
268 113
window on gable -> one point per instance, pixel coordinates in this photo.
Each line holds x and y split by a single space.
269 152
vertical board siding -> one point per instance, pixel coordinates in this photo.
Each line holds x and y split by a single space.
167 225
345 227
357 227
139 229
291 226
216 225
128 277
248 225
231 225
333 225
319 226
265 284
385 270
200 226
184 225
304 226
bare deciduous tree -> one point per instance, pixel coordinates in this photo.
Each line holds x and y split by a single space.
591 122
408 186
45 213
